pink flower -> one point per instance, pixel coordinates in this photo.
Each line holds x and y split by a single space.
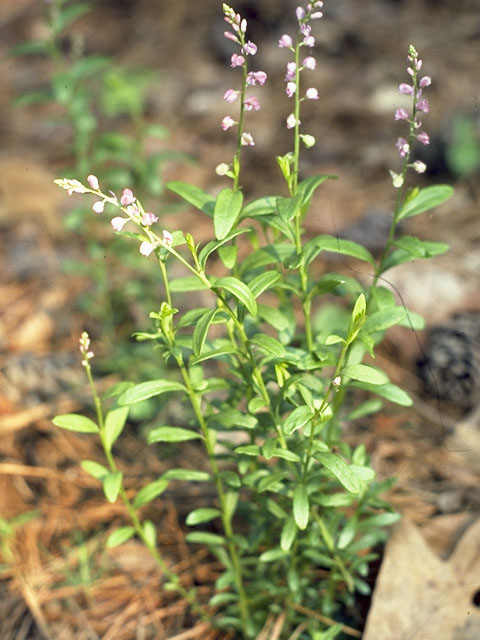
291 71
285 42
243 26
236 60
256 77
426 81
403 147
230 36
305 29
300 13
250 48
406 89
93 182
316 15
118 223
127 197
291 88
167 238
149 218
227 122
309 63
309 41
423 105
247 140
311 94
146 248
230 95
292 121
423 137
401 114
99 206
251 103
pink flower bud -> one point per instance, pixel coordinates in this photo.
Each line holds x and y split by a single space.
316 15
247 140
406 89
309 41
423 137
285 42
227 122
146 248
291 71
291 88
127 197
230 95
402 146
418 65
410 71
93 182
149 218
230 36
401 114
300 13
311 94
99 206
423 105
426 81
118 223
309 63
250 48
251 103
243 26
167 238
236 60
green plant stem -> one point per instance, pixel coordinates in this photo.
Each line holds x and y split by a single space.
188 595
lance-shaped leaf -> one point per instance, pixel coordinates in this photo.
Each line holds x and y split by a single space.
308 186
149 492
75 422
263 282
336 245
201 330
297 419
149 389
213 245
365 373
240 290
114 424
171 434
289 207
425 199
227 209
301 507
193 195
340 470
111 485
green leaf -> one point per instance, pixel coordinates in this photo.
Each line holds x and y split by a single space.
229 418
297 419
203 514
150 533
388 391
268 345
34 47
301 507
227 209
226 349
365 409
146 390
204 537
187 283
189 475
114 424
421 248
274 317
240 290
287 536
308 186
228 255
171 434
426 199
201 330
75 422
263 281
285 454
364 373
272 555
111 485
336 245
324 285
119 536
384 319
260 207
95 469
248 450
32 97
288 207
117 389
340 470
193 195
149 492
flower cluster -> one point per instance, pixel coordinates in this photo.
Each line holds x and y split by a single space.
305 39
419 105
250 78
127 203
85 349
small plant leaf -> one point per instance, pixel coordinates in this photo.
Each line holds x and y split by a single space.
201 330
203 514
389 391
297 419
308 186
171 434
340 470
205 537
119 536
75 422
94 469
260 207
336 245
214 245
193 195
426 199
365 373
227 209
301 507
146 390
150 533
189 475
240 290
289 207
268 345
187 283
421 248
272 555
114 424
149 492
289 531
263 281
111 485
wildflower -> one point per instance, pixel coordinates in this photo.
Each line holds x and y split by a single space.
397 179
118 222
256 77
423 105
71 185
227 122
247 140
251 103
149 218
99 206
406 89
230 95
230 36
316 15
127 197
292 121
222 169
305 29
146 248
236 60
243 26
93 182
311 94
423 137
250 48
402 146
167 238
308 140
300 13
309 41
419 166
85 348
291 71
285 42
309 62
291 88
401 114
426 81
